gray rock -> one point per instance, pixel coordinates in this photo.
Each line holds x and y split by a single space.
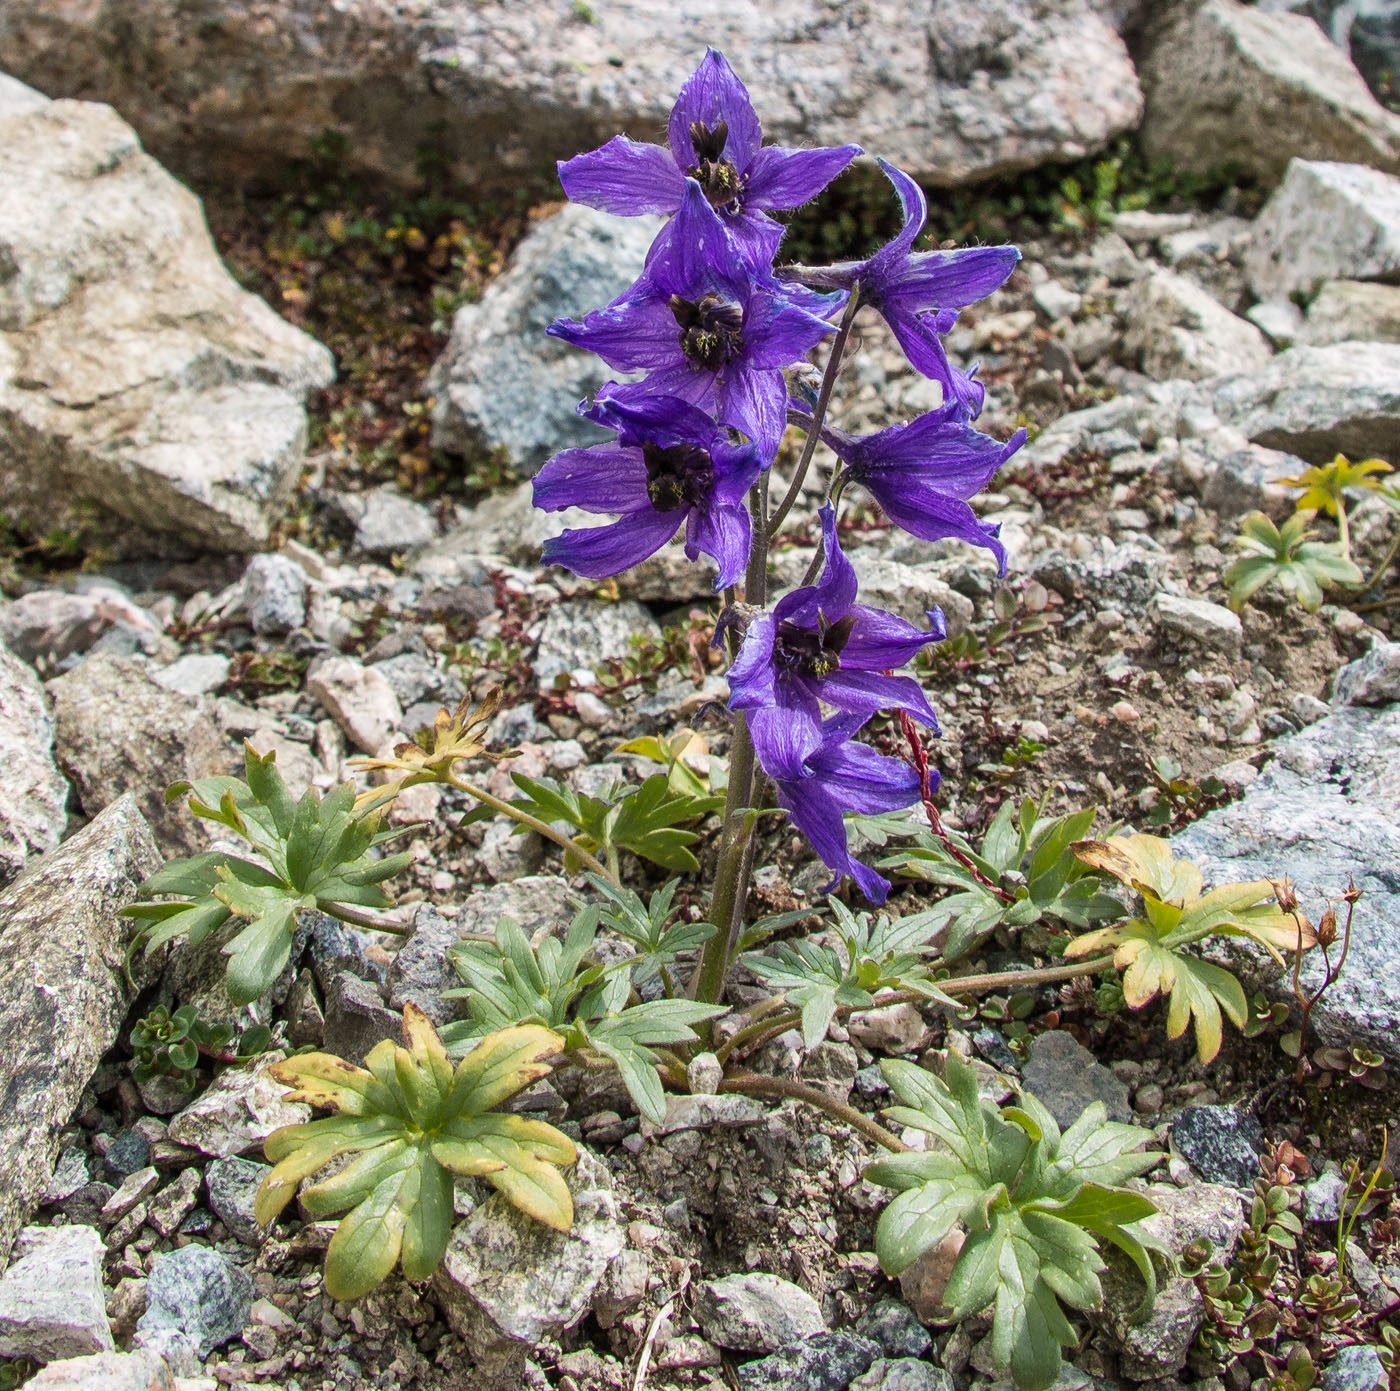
1326 810
1322 1196
356 1018
1126 577
705 1112
391 523
908 590
1222 1143
581 635
1317 402
198 1294
116 730
968 89
1211 625
894 1327
414 678
138 1184
1178 330
1158 1346
1355 1368
1225 81
507 1282
33 794
506 524
904 1374
274 594
1281 321
238 1112
233 1186
69 1175
1248 480
1370 680
1065 1077
502 383
51 625
358 699
1368 31
421 970
129 1152
51 1300
137 376
1325 221
823 1362
756 1312
141 1370
194 675
1346 310
889 1028
64 991
169 1208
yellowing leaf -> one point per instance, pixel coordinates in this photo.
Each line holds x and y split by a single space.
1144 863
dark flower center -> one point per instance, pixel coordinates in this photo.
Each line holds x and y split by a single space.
679 475
812 651
711 329
715 174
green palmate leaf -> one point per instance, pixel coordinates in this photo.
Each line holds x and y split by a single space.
316 852
1285 556
1034 1205
410 1120
1150 950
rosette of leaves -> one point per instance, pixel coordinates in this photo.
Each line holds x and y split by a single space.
875 953
1285 556
593 1007
411 1121
1034 1204
1150 950
1023 871
170 1044
312 853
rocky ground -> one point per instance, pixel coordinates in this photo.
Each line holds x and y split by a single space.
309 529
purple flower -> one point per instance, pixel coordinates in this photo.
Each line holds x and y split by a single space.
919 293
820 646
837 776
671 464
923 472
703 328
715 139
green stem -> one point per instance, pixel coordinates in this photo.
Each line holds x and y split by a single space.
535 824
833 367
349 915
1343 527
752 1084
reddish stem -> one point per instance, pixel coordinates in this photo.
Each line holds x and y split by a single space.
918 756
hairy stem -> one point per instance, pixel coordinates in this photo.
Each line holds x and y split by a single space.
731 885
752 1084
535 824
356 919
814 429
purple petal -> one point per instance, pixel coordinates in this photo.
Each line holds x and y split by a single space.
778 333
752 674
817 816
737 467
624 177
710 95
757 236
783 178
785 736
881 641
681 379
694 252
604 478
658 418
931 515
890 259
954 279
756 403
723 533
628 337
835 590
920 337
600 551
863 780
866 693
937 448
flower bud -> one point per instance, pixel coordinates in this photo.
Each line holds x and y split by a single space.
1327 927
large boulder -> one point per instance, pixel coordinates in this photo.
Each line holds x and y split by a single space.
1368 31
1318 402
949 89
1352 310
502 383
135 375
33 795
1325 221
1178 330
1225 82
118 731
61 951
1326 812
